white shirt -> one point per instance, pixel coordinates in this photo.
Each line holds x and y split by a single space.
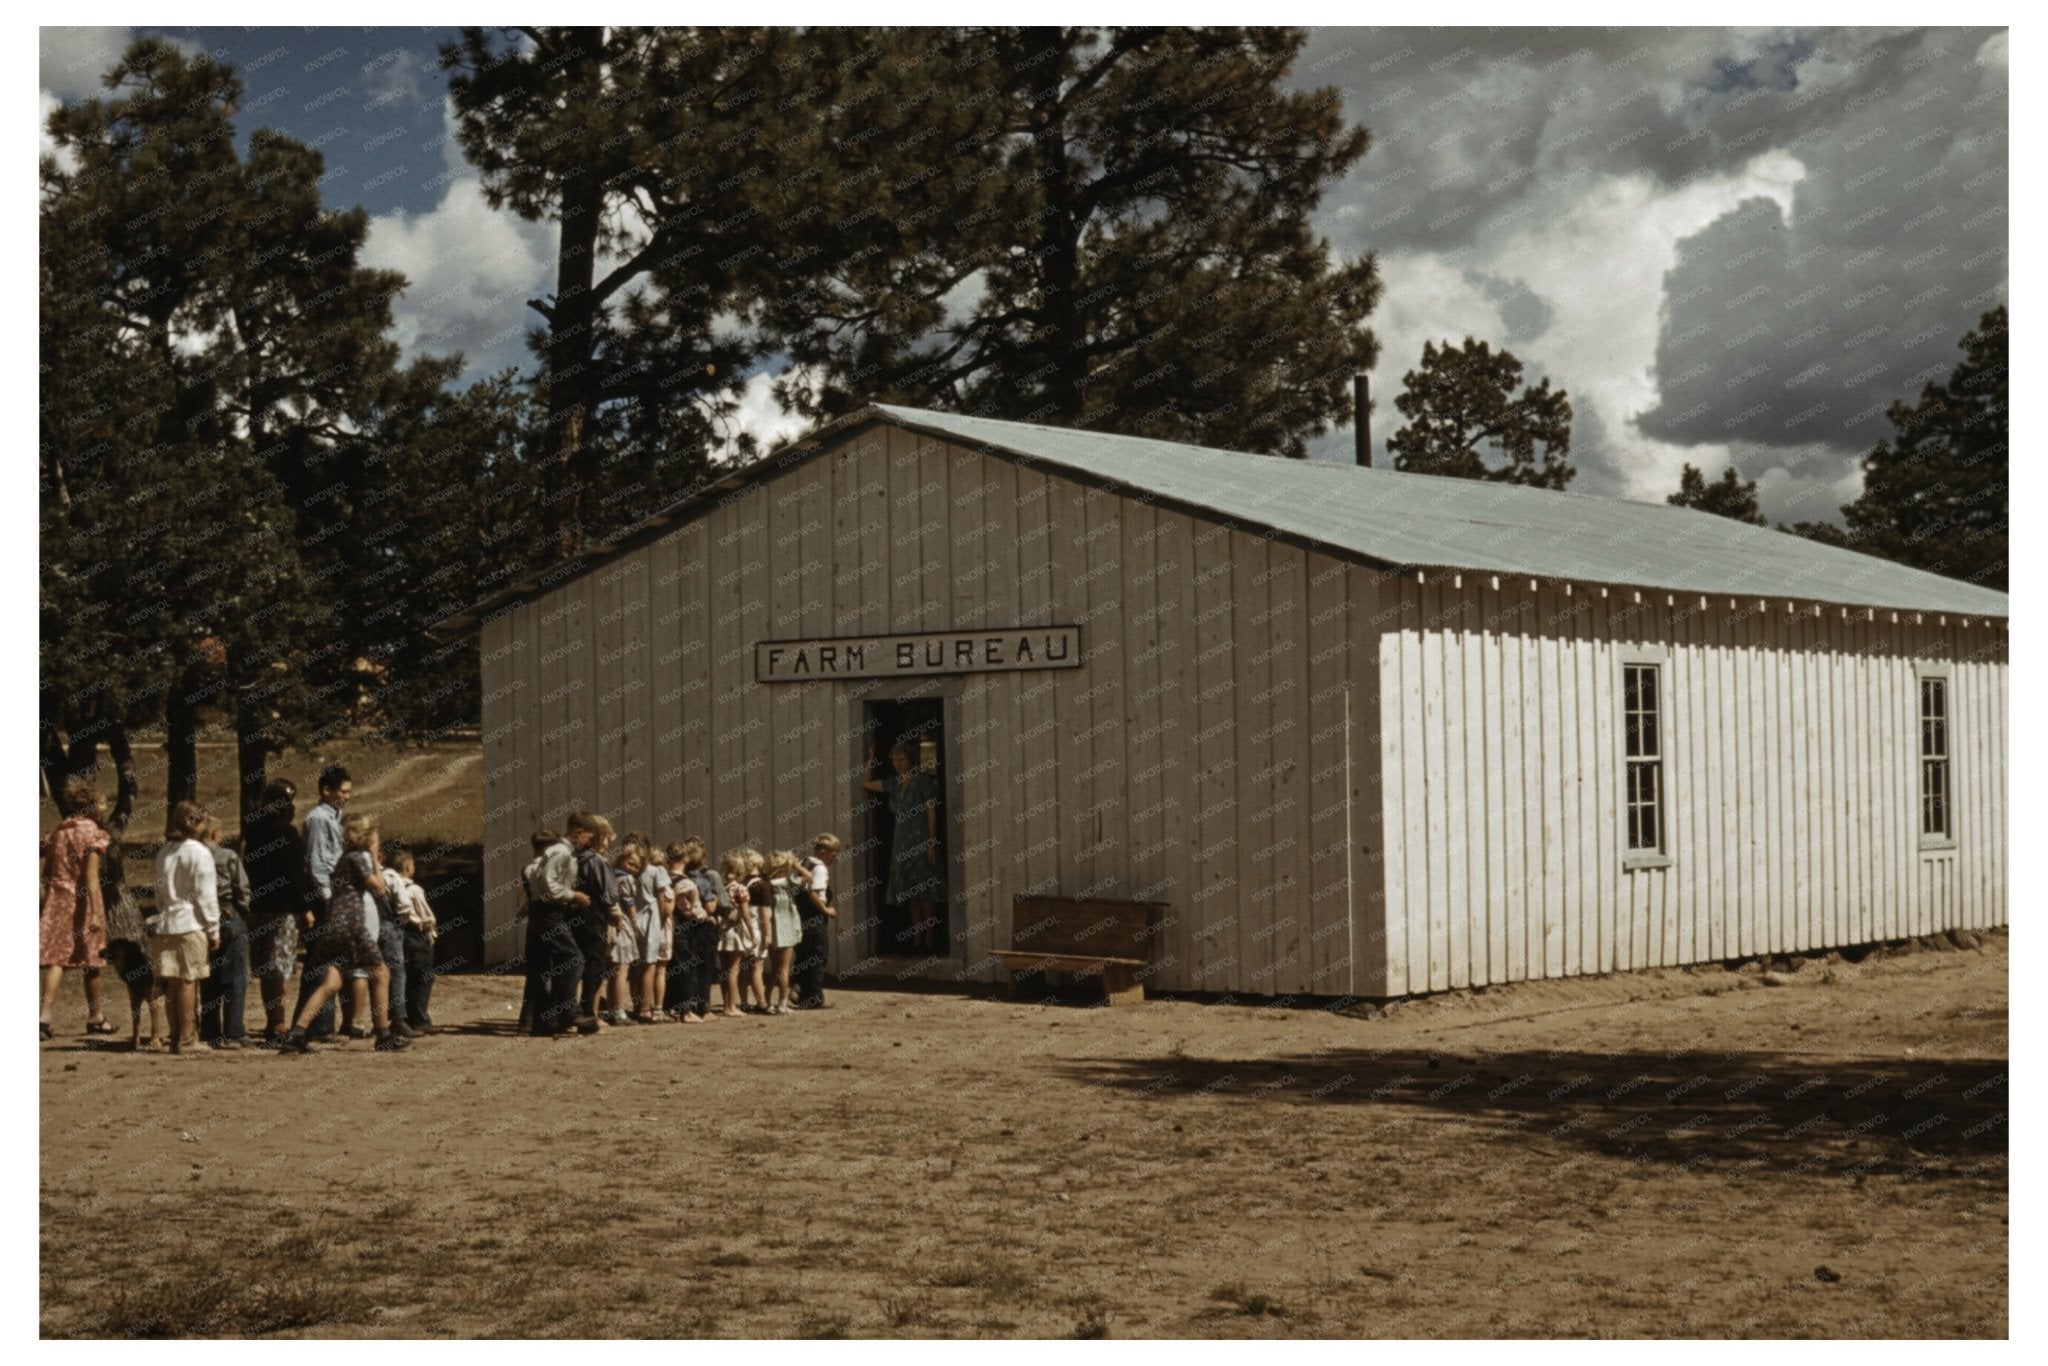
185 895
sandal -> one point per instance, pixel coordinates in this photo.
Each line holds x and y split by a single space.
99 1027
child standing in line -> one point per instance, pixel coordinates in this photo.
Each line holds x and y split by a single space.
223 999
534 906
650 971
627 931
787 929
127 952
761 904
600 915
187 927
416 922
683 975
74 922
737 928
814 904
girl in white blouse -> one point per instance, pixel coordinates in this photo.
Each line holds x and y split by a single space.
186 930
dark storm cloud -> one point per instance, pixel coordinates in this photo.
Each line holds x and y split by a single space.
1780 339
1788 333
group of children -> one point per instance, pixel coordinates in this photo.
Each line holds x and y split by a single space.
635 935
187 965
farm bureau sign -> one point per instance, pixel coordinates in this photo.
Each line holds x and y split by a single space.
930 652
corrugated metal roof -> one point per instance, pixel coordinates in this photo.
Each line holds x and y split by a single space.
1416 520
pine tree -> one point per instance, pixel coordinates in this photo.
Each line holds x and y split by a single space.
1146 265
1463 398
694 174
216 364
1729 496
1935 494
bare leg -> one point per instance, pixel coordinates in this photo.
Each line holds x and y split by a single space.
358 999
93 1014
330 987
729 987
273 1004
380 997
52 979
756 983
183 996
620 973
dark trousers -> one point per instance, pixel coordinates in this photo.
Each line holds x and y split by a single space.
560 980
224 992
807 972
587 924
391 945
534 957
419 979
692 966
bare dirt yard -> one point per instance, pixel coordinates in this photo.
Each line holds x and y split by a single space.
1655 1155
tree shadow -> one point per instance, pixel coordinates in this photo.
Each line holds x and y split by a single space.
1930 1118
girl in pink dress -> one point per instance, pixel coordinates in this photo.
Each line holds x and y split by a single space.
74 922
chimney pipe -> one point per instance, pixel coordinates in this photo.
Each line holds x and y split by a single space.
1361 423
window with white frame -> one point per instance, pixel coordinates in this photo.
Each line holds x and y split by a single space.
1643 752
1937 820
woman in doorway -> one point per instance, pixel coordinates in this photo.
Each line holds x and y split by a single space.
915 878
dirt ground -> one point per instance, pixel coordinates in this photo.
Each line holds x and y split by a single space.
1672 1154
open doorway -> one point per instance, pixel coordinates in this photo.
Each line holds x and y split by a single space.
909 902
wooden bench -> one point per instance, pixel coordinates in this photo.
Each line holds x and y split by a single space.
1086 936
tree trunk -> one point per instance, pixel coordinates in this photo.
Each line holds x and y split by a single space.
252 755
54 754
127 785
181 742
1060 241
572 341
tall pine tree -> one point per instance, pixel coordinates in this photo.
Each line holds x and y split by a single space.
214 310
1147 267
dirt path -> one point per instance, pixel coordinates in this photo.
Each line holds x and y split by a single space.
1666 1154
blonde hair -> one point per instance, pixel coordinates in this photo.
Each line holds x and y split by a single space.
827 843
692 848
752 856
358 828
781 863
630 848
732 865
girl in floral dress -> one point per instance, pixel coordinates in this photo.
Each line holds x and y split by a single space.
74 919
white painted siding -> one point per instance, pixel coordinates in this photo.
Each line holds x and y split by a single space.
1791 770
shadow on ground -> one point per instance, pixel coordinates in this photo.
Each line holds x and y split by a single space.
1928 1119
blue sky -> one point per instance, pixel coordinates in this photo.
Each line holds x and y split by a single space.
1728 245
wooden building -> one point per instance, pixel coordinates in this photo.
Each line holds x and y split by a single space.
1367 733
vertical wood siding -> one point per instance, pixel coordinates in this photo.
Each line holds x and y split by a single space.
1791 768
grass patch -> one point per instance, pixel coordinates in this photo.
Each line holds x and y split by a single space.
229 1303
823 1327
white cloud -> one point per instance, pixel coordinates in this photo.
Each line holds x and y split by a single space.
72 60
760 415
471 270
67 160
1600 264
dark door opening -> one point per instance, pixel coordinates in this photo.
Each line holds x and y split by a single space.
908 899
